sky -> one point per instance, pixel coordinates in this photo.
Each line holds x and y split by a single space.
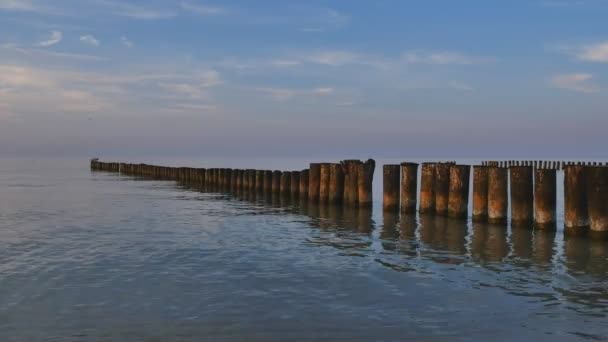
358 78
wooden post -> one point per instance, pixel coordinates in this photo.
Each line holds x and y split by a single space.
285 183
442 188
576 216
409 187
304 186
324 183
267 181
259 181
480 193
427 188
276 182
365 180
295 183
351 183
545 199
314 182
522 196
390 185
458 197
597 200
498 203
336 184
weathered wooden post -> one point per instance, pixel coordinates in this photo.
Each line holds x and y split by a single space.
365 180
480 193
390 185
442 188
522 195
252 186
227 179
597 200
324 183
458 196
267 181
276 181
409 187
498 204
545 198
259 180
351 181
314 181
285 183
336 184
427 188
295 183
576 216
245 182
233 177
304 176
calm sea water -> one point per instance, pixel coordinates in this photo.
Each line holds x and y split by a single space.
97 256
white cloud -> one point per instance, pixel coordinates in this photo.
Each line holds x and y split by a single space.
285 94
89 39
201 9
578 82
594 53
188 90
126 42
209 78
55 38
137 12
37 53
442 58
334 58
17 5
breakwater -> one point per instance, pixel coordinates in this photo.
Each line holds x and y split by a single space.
522 193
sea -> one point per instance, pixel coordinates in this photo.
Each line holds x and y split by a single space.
97 256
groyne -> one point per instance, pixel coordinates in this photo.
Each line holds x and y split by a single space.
527 188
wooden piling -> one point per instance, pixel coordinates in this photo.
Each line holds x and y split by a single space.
285 183
314 181
576 216
597 200
498 204
336 184
259 181
252 180
267 181
295 183
409 187
304 185
545 199
365 179
427 188
324 183
480 193
391 187
458 196
350 169
276 182
442 188
522 195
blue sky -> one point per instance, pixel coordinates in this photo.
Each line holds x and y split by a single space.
355 78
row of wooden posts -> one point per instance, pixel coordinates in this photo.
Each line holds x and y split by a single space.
444 191
444 188
540 164
348 182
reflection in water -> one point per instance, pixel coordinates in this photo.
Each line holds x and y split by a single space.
410 242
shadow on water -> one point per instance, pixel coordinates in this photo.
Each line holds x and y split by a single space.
522 261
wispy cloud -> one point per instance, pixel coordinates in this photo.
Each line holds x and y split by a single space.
578 82
89 39
594 53
443 58
17 5
137 11
285 94
202 9
126 42
39 53
327 18
55 38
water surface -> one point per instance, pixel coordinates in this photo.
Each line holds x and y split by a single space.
98 256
